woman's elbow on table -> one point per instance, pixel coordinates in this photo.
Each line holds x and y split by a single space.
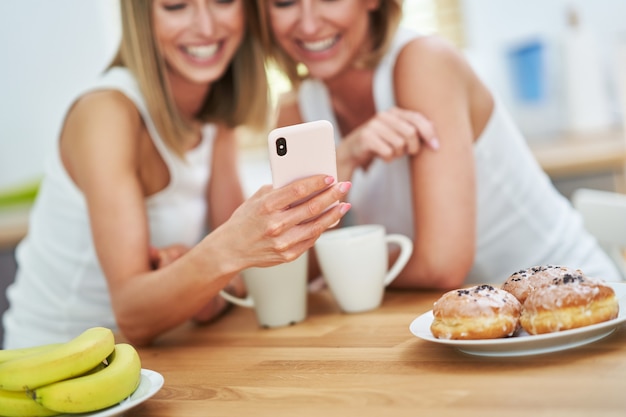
449 277
446 266
137 340
435 273
136 335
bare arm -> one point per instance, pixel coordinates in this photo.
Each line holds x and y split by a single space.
443 182
224 196
100 149
225 192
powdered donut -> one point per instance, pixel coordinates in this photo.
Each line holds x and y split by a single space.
525 281
571 301
479 312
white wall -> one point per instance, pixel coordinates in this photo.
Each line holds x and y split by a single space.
492 26
49 49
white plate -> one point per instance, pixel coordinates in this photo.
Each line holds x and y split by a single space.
524 344
150 383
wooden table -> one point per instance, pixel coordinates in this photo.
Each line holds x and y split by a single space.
369 364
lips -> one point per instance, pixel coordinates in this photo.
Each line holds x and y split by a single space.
320 45
202 51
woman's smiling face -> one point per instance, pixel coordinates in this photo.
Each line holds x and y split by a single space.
198 38
327 36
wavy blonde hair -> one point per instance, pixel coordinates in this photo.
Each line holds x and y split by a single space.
384 22
239 98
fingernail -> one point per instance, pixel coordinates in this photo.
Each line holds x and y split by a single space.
329 180
343 209
434 143
345 186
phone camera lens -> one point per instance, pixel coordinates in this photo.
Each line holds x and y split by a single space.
281 146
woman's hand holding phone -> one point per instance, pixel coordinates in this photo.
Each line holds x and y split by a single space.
283 220
268 229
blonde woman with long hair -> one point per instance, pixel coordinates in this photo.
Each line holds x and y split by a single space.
141 219
430 151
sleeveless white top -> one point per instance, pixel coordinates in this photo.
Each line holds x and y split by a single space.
522 220
60 289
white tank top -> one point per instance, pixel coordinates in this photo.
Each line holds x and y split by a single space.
60 289
522 220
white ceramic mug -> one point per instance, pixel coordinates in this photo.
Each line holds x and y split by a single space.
354 263
278 294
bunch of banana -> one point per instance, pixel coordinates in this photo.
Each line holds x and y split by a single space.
88 373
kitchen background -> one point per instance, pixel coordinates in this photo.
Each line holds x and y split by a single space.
50 49
558 71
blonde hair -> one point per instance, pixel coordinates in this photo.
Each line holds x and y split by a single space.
384 22
239 97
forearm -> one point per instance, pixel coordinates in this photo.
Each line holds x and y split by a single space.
154 302
444 232
444 219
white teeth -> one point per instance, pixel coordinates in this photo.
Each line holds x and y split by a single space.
202 52
321 45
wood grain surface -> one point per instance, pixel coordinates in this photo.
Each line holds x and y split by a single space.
369 364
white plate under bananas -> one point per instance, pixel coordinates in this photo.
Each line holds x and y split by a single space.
151 382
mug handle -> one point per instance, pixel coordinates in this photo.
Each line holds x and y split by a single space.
406 248
243 302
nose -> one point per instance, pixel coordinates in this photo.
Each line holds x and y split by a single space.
310 20
204 21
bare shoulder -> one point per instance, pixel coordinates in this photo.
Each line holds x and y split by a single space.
446 80
431 58
98 116
101 130
442 75
104 106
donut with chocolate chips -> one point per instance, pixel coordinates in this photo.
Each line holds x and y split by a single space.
478 312
525 281
569 302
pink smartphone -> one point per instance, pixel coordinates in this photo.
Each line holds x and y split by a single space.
301 150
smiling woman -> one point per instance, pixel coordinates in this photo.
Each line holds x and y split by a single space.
432 153
443 17
141 205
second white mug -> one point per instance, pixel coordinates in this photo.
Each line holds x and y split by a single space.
354 263
278 294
